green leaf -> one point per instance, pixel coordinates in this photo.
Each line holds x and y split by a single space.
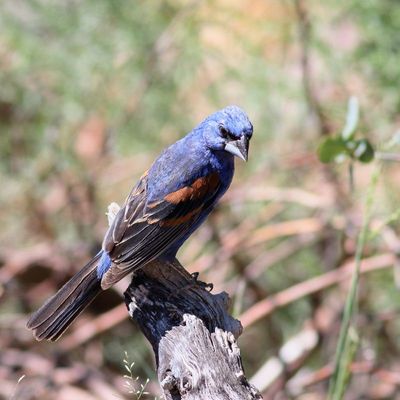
331 149
353 113
363 151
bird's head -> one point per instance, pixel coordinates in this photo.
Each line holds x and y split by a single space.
228 130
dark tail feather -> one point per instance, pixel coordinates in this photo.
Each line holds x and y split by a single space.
54 317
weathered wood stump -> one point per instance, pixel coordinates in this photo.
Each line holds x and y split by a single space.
193 336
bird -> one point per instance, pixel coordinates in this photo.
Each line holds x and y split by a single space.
167 204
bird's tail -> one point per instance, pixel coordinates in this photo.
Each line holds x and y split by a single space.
54 317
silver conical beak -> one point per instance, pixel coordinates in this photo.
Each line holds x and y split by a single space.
239 148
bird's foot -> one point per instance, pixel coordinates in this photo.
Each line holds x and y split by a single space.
204 285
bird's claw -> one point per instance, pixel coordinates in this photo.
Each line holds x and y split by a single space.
204 285
195 275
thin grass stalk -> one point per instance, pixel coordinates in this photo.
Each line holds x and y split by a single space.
343 358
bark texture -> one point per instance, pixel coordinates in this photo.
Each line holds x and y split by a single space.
193 336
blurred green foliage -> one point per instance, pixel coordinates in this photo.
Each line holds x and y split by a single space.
379 49
91 91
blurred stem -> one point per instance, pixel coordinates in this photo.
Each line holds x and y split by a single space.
304 28
395 157
351 177
239 298
344 348
344 373
314 105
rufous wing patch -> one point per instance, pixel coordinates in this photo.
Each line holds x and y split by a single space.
196 191
180 195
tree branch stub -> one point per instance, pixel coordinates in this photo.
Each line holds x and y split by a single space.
192 335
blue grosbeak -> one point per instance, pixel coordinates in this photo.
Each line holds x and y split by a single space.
167 204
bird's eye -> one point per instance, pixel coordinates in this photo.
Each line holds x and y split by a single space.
225 134
223 131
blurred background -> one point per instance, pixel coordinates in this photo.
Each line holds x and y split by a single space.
91 91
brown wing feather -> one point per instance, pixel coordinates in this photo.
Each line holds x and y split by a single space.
141 232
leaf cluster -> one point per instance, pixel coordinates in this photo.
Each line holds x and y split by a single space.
345 146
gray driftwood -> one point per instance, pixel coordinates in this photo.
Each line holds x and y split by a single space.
193 337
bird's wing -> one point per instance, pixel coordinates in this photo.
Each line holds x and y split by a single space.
141 231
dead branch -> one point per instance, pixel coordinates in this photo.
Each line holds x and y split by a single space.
295 292
192 335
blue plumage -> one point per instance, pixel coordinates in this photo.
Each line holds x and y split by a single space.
200 152
103 265
166 206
